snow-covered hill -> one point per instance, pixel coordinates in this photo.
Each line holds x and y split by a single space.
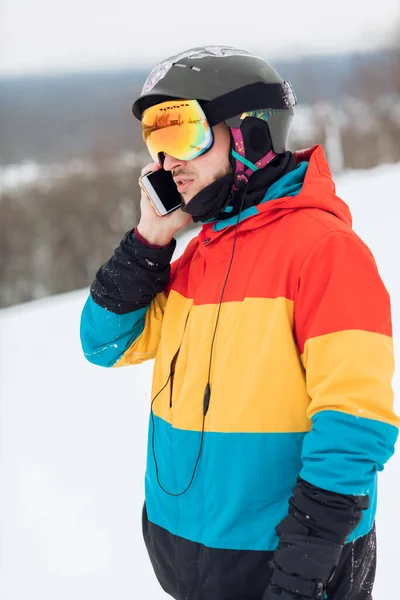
73 441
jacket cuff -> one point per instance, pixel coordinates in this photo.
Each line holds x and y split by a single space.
133 276
322 513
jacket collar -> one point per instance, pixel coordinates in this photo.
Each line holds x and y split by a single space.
309 185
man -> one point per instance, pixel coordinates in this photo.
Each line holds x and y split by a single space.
272 406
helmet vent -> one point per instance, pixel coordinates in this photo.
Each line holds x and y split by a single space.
193 68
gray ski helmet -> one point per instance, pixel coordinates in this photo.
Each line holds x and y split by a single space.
227 82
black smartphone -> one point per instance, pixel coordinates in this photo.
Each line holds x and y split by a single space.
160 189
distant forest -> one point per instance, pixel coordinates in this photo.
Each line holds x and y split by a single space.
57 118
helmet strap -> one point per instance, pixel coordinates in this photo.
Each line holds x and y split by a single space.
244 168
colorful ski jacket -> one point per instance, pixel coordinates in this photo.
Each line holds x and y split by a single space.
297 351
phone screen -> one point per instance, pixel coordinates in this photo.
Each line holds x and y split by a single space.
165 189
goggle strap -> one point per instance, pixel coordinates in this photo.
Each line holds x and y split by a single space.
250 97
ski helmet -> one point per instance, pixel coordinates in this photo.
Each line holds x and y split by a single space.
233 86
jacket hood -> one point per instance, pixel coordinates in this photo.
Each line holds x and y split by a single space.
309 185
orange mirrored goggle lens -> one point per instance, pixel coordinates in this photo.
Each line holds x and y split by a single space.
178 128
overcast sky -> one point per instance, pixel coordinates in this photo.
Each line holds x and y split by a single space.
45 35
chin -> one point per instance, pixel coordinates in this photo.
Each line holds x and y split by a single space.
187 197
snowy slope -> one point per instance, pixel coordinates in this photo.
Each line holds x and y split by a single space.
73 441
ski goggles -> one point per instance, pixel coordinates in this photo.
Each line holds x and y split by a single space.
178 128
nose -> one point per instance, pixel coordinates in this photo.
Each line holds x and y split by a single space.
171 163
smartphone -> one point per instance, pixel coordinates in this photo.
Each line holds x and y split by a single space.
160 189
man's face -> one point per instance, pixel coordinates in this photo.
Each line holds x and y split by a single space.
192 176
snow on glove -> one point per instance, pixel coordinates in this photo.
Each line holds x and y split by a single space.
303 565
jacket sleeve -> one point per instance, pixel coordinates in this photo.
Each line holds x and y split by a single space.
342 324
342 321
121 320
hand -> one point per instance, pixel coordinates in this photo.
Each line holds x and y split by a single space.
302 566
155 229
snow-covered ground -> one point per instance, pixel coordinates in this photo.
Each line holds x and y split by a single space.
73 441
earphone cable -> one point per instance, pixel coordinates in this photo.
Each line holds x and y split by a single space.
207 391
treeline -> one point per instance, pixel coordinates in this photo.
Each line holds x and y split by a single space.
356 134
55 235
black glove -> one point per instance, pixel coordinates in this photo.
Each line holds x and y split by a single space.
311 539
302 565
312 536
